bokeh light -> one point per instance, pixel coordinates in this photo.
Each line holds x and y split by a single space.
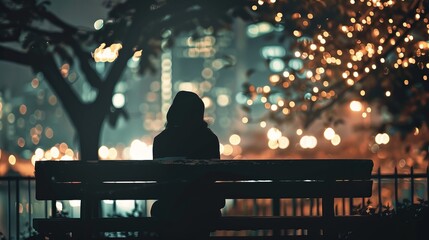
382 138
355 106
274 134
118 100
329 133
308 142
234 139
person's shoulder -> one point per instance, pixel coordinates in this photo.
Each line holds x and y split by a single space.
211 131
211 134
161 135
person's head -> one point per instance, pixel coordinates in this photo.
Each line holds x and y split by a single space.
186 110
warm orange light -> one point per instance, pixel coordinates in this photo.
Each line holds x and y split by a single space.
109 54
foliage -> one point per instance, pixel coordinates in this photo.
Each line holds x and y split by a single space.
337 51
407 221
135 213
404 210
375 52
32 35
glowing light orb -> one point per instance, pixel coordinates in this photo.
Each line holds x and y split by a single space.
382 138
12 160
223 100
283 142
273 52
274 134
55 152
138 150
336 140
235 139
59 206
98 24
103 152
329 133
39 153
109 54
308 142
355 106
118 100
277 65
273 144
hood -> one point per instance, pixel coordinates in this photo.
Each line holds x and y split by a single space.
187 109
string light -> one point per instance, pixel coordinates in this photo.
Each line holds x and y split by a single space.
321 67
358 62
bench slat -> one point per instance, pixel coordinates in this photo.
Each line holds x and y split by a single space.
232 190
66 171
88 181
224 223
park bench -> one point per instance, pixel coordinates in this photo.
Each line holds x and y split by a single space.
92 181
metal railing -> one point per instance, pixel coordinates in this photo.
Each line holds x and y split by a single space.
18 205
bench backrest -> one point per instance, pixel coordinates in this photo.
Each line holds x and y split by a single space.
237 179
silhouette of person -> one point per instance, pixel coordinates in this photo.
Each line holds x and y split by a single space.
187 136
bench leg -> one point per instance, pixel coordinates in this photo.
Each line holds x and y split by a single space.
328 215
276 212
90 209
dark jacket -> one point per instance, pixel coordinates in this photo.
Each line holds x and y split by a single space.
186 134
185 143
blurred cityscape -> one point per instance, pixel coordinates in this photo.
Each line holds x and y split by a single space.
34 125
218 66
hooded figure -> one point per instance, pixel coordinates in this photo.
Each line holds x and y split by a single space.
186 212
186 135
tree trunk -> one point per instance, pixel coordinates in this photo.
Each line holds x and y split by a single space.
88 126
89 140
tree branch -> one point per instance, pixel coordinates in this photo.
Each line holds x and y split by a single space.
71 102
129 42
58 22
142 17
11 55
91 75
31 29
146 17
46 64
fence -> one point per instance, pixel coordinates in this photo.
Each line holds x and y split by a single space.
18 205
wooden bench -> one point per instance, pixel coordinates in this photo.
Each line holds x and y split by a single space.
235 179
